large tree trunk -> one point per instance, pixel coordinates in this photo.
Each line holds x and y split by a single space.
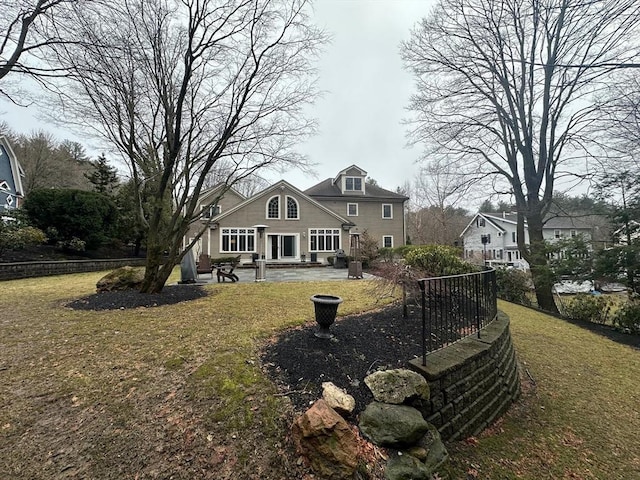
537 257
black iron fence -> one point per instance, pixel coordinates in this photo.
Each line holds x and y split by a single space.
456 307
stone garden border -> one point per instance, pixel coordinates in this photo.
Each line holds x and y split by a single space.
472 382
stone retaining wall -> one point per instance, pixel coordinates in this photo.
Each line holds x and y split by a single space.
11 271
472 382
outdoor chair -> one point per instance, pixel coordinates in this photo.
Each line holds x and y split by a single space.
204 265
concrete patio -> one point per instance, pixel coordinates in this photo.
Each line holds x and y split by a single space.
315 274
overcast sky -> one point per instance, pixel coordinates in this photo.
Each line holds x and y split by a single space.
366 93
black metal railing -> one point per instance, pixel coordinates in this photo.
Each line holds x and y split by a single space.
456 307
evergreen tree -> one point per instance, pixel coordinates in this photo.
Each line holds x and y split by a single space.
104 178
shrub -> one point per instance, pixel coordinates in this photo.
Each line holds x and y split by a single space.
16 237
66 214
627 318
437 261
513 285
586 307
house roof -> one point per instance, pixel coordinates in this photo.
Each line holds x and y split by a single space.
346 171
556 222
493 221
328 188
220 188
275 187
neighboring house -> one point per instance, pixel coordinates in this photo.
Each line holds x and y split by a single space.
11 173
299 225
620 237
492 238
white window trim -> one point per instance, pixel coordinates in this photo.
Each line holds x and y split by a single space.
383 241
286 213
573 233
209 212
354 177
334 232
248 229
390 205
355 214
5 186
266 208
557 233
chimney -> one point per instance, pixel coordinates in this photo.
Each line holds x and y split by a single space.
504 214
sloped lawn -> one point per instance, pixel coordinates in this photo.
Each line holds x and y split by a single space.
176 391
578 419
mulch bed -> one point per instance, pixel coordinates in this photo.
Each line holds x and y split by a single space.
170 295
299 362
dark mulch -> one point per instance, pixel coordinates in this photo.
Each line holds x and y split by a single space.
299 362
132 299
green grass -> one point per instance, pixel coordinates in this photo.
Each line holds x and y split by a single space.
178 390
580 420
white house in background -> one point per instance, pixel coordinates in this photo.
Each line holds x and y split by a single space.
492 237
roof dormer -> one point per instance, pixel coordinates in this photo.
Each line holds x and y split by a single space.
351 181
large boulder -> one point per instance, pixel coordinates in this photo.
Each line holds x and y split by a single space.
123 278
338 399
406 467
392 425
327 441
397 386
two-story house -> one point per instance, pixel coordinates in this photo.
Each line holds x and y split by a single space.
284 224
492 238
11 192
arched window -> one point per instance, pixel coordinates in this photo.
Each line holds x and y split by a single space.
273 207
292 208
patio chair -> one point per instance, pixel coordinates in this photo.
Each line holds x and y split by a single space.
204 265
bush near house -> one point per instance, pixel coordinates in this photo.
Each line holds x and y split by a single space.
437 260
14 236
71 217
514 286
627 318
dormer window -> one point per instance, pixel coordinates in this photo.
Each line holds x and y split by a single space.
353 184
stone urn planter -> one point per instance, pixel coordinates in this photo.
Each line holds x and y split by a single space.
326 308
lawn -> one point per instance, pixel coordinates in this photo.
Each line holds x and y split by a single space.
177 391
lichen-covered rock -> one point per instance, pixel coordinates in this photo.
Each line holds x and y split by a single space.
437 452
406 467
392 425
123 278
326 440
397 386
338 399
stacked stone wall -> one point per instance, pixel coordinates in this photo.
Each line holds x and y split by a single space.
472 382
11 271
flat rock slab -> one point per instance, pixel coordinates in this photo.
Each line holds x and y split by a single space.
397 386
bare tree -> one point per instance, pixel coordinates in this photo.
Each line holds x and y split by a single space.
180 86
49 164
505 89
26 28
437 197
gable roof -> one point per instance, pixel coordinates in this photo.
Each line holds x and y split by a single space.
218 189
328 188
275 187
555 222
349 171
492 221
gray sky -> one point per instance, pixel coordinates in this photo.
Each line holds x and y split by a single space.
366 93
